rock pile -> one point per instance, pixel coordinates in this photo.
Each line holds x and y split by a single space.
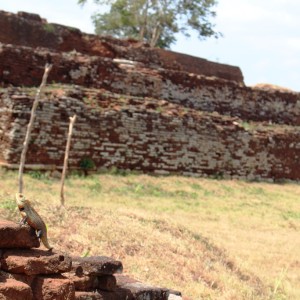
29 273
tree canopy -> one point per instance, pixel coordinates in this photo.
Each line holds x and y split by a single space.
155 21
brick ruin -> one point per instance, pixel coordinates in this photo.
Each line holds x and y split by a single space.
139 108
28 273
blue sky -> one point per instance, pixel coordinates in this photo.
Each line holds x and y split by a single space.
261 37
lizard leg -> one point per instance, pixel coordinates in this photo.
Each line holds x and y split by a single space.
23 221
39 233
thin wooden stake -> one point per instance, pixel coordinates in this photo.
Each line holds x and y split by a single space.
63 175
48 68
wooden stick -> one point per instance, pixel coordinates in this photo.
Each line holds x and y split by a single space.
48 68
63 175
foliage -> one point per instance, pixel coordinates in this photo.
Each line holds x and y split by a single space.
8 204
86 164
49 27
36 174
155 21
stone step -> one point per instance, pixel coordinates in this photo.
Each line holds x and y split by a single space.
14 236
129 289
55 287
139 290
89 282
99 295
11 289
96 265
35 261
27 274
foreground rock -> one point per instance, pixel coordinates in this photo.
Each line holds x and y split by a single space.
55 287
89 282
35 261
139 290
96 265
37 274
11 289
15 236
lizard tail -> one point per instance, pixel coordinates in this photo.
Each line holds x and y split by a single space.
45 242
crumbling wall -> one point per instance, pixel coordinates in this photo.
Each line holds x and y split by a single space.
6 130
152 136
140 108
24 66
31 30
28 273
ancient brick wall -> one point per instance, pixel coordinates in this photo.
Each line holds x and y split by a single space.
33 31
23 66
150 114
5 125
151 136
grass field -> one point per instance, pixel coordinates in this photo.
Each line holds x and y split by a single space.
210 239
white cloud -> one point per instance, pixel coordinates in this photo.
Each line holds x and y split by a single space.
293 43
65 12
239 11
261 37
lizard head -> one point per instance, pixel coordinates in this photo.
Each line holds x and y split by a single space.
21 200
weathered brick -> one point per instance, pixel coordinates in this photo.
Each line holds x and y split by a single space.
13 235
35 261
11 289
96 265
162 113
89 282
139 290
98 295
56 287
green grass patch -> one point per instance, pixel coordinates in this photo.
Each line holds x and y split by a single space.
8 204
176 231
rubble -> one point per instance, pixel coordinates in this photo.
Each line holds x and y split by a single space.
30 273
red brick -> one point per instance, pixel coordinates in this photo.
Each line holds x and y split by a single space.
96 265
89 282
35 261
12 235
11 289
56 287
31 30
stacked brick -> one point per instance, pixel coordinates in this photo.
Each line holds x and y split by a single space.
29 273
210 94
139 108
33 31
149 135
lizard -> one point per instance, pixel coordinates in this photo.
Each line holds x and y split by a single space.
32 218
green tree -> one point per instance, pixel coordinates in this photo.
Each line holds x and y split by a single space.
155 21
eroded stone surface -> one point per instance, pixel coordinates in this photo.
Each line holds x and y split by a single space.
35 261
31 30
139 290
96 265
89 282
99 295
11 289
15 236
119 294
53 288
27 279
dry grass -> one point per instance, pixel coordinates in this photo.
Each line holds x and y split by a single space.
210 239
